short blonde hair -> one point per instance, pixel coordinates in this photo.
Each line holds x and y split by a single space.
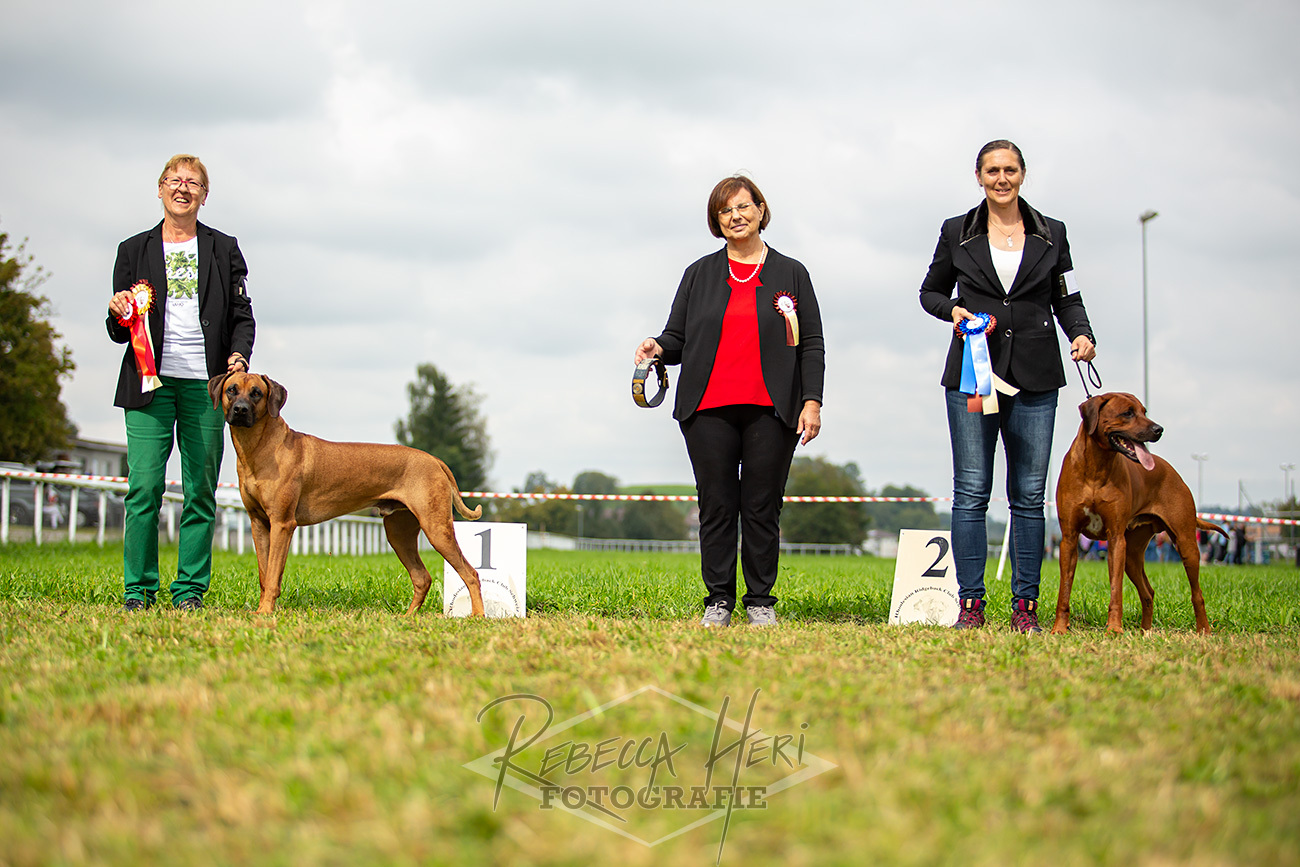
189 160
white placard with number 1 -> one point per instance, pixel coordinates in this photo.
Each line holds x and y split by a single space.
500 554
925 579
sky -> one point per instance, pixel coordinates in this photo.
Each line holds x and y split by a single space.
511 191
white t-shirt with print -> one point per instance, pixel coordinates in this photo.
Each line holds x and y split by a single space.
183 356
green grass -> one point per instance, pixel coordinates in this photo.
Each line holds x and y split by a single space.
336 731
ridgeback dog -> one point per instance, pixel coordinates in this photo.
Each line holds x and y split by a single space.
289 479
1111 487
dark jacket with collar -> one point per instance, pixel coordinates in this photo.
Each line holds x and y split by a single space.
225 312
792 374
1023 347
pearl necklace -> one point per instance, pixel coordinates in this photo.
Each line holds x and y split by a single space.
761 260
1009 236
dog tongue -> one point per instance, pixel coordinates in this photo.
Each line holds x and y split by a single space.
1144 456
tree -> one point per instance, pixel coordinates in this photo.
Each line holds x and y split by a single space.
893 517
33 419
824 522
598 519
445 422
653 519
552 516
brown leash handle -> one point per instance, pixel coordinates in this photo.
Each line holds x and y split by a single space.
1093 375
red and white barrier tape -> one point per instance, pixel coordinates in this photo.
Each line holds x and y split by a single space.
655 498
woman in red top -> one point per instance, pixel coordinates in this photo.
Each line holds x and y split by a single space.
747 333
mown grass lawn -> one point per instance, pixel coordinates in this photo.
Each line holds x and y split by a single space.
337 731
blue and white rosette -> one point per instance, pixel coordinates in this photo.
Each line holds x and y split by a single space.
976 364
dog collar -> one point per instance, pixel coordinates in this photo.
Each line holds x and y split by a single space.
639 378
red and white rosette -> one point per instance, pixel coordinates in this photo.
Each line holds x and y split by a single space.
142 301
786 305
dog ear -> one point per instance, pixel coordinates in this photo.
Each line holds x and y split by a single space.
1090 411
215 386
276 395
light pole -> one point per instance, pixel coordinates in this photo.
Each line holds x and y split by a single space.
1144 218
1200 458
1286 480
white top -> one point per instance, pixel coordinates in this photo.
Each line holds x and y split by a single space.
183 356
1006 263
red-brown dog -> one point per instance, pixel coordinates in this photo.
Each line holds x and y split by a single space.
289 479
1111 487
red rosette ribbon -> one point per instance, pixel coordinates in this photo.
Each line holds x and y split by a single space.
786 305
142 301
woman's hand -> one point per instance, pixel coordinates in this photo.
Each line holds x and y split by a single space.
121 304
810 421
1082 349
961 314
236 360
649 348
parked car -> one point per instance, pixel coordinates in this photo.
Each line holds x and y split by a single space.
88 506
22 501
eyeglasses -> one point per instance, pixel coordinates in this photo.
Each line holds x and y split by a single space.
740 209
177 183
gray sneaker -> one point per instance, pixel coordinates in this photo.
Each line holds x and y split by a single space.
716 615
761 615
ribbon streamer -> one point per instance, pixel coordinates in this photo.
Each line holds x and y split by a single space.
786 305
142 297
976 364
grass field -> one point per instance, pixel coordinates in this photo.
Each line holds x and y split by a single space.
338 731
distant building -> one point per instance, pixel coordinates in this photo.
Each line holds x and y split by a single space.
91 458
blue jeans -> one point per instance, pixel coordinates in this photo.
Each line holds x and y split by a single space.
1025 422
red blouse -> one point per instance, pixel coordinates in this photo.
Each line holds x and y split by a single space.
737 375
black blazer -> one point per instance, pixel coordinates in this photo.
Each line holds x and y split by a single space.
225 311
1023 347
792 374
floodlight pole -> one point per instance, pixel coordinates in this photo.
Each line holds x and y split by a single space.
1144 218
1200 458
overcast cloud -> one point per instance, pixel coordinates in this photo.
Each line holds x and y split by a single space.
511 191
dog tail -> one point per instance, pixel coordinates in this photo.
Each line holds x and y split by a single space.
456 499
1213 528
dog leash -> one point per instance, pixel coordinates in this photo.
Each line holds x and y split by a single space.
638 382
1093 375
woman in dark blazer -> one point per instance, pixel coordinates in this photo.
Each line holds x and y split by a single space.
1004 259
750 389
199 324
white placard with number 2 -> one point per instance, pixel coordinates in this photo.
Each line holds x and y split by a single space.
925 579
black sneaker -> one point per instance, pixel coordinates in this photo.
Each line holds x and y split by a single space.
133 605
190 603
972 614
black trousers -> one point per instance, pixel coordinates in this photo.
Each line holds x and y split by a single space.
741 458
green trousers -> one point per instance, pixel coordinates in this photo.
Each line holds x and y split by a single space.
181 408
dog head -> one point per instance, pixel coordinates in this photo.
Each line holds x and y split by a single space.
1118 422
246 398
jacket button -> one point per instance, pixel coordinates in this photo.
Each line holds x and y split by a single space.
1007 332
1044 323
205 323
1006 302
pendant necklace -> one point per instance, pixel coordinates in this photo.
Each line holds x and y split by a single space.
1000 229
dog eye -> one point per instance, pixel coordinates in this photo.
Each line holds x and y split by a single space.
255 393
232 391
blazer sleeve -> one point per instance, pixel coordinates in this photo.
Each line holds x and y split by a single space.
673 338
123 277
812 343
1069 309
240 325
937 287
